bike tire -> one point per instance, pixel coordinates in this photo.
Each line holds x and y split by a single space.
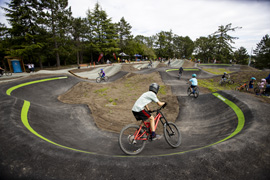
237 88
188 91
196 94
257 90
172 134
106 78
129 145
98 79
8 73
231 81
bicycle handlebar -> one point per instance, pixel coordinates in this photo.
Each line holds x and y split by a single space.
162 107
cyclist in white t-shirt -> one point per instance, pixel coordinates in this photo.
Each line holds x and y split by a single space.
141 110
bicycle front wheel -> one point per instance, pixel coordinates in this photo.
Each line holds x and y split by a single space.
129 144
106 78
7 73
172 134
231 81
98 79
257 90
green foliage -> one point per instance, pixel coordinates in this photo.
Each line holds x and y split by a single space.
262 52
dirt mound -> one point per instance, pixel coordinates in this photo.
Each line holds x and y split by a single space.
128 68
111 104
188 64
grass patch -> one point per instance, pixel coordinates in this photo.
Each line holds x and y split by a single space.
213 86
101 92
163 90
218 71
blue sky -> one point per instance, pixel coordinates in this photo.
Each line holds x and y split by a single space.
193 18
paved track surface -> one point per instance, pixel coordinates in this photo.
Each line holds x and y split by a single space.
95 154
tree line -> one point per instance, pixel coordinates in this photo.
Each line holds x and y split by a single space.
44 32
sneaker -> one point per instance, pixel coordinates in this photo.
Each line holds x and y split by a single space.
156 137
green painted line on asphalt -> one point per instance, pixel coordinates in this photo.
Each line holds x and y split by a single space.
8 92
26 106
240 125
184 70
24 114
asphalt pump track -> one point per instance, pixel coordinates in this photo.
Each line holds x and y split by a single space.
225 135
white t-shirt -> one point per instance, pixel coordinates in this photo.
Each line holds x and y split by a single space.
194 82
145 99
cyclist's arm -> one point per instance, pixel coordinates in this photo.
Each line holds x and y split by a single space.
160 103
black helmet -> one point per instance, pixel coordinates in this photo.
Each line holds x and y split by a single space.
154 87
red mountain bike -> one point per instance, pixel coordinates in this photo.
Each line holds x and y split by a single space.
132 138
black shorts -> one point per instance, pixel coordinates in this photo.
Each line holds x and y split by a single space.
142 115
193 86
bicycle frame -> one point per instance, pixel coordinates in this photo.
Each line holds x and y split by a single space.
138 136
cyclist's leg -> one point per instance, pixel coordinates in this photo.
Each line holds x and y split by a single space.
152 124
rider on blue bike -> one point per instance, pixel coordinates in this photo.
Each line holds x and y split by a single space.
102 73
193 83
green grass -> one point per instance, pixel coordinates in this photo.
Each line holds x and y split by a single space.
101 92
213 86
163 90
218 71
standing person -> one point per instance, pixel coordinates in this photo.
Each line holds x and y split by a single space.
29 67
32 67
180 72
268 79
141 110
251 84
262 85
169 63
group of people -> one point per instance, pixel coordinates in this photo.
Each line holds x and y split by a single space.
264 85
31 67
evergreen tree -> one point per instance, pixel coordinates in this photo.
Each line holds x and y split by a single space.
241 56
58 21
224 41
262 53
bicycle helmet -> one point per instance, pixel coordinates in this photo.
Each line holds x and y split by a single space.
154 88
264 80
225 72
253 78
194 75
101 69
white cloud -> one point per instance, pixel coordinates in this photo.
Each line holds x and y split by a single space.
193 18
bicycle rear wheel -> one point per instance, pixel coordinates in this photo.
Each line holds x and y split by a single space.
188 91
128 143
98 79
172 134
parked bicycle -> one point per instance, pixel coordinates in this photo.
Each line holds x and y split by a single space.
132 138
6 73
242 87
100 78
